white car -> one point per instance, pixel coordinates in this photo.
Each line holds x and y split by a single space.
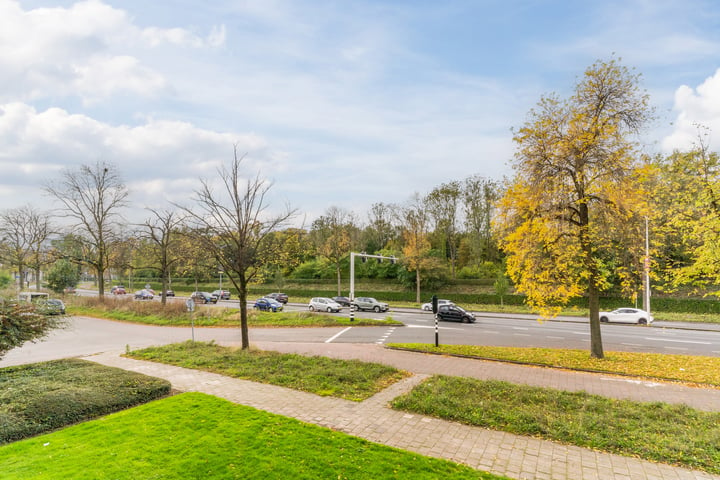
428 306
627 315
324 304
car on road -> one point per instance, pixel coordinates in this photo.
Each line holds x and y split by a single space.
268 305
169 293
144 294
627 315
428 306
453 313
51 306
324 304
369 303
221 294
279 297
344 301
203 297
118 290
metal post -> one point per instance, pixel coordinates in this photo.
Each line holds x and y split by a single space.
646 301
352 285
437 338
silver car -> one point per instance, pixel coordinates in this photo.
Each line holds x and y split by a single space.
369 303
324 304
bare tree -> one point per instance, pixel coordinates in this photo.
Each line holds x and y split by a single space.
233 227
162 231
332 237
92 195
25 232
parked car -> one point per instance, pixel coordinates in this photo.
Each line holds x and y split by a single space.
69 290
144 295
203 297
221 294
344 301
369 303
627 315
428 306
169 293
280 297
453 313
51 306
118 290
268 305
324 304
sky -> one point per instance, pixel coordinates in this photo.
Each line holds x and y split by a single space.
341 103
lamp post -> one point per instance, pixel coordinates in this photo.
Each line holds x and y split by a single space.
646 292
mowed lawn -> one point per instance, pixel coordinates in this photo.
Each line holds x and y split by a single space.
198 436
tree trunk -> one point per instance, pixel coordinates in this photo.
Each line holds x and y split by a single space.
339 279
242 295
417 285
596 346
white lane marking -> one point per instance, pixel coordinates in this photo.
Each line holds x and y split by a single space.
329 340
554 338
581 333
677 341
388 332
520 328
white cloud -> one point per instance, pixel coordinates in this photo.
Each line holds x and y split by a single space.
82 51
160 158
699 106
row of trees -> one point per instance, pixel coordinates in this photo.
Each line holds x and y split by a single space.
570 222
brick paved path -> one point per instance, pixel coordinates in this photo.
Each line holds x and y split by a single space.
497 452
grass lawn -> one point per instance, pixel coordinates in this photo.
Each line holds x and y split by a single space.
348 379
193 435
658 432
40 397
681 368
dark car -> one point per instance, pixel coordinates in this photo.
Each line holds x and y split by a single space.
344 301
144 295
203 297
453 313
268 305
52 306
280 297
221 294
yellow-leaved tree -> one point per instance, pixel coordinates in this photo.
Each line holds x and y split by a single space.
570 220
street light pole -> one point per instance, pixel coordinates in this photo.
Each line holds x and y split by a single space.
646 296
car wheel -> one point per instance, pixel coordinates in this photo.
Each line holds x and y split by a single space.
376 309
642 321
465 320
603 319
427 309
311 308
329 310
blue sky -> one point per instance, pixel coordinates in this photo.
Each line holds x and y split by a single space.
339 103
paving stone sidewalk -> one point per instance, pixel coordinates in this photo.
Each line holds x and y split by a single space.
497 452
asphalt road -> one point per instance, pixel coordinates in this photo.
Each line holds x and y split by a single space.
85 336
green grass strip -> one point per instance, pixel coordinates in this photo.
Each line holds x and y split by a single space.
348 379
659 432
194 435
681 368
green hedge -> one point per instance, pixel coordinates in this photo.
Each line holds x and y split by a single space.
40 397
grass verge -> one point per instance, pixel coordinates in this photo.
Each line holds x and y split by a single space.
174 313
194 435
348 379
40 397
680 368
659 432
